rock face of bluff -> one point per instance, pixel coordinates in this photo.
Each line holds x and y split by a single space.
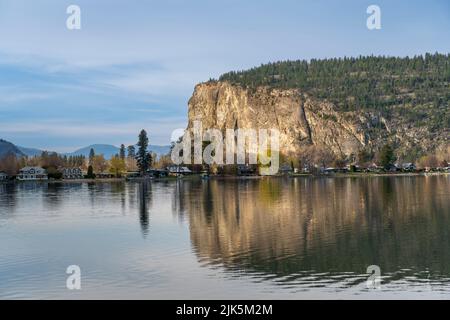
304 121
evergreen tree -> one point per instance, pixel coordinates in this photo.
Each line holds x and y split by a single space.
131 151
91 156
122 152
387 156
90 172
143 157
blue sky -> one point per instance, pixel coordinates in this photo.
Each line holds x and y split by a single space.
134 64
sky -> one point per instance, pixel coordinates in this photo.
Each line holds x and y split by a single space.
134 64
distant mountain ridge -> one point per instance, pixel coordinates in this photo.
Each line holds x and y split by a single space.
30 152
107 150
8 148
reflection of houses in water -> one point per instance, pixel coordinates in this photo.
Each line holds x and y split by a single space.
286 226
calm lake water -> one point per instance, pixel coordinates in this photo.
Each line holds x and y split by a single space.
286 238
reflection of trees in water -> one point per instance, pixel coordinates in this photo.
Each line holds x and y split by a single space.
207 200
112 191
118 190
129 196
144 203
92 189
285 226
30 193
51 193
8 198
181 190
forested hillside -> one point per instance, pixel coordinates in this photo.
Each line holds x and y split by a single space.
417 88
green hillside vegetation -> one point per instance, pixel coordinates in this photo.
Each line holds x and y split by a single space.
417 89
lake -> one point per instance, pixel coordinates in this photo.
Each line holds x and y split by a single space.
269 238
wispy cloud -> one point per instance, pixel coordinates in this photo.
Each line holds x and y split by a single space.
15 94
152 82
134 65
71 129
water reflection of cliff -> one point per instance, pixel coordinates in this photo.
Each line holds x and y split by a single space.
283 226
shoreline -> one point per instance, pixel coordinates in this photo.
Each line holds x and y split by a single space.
334 175
232 177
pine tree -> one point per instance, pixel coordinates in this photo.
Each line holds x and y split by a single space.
90 172
122 152
143 157
387 156
91 156
131 151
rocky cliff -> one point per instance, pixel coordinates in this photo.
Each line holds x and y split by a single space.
303 120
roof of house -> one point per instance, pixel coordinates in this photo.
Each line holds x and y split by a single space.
178 169
409 164
31 168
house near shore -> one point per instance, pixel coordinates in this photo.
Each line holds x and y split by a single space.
374 168
334 170
353 168
285 169
71 173
132 174
3 176
410 167
159 173
32 174
246 170
392 168
447 168
177 170
104 175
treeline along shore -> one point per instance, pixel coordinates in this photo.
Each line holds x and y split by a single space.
132 164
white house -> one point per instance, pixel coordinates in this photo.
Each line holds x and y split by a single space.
3 176
178 170
71 173
32 173
408 166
